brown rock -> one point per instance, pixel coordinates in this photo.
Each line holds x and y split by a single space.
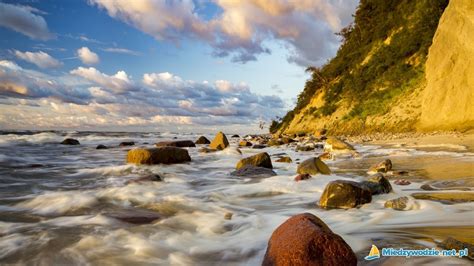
176 143
165 155
306 240
344 194
382 167
302 177
202 140
333 143
126 143
285 159
313 166
253 172
219 142
70 142
260 160
244 143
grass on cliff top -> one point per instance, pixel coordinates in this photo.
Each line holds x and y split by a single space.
394 33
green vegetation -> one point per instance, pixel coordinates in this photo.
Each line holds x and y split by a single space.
381 54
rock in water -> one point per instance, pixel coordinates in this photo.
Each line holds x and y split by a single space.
260 160
148 178
245 143
313 166
452 243
253 171
165 155
382 167
202 140
344 194
306 240
302 177
220 142
126 143
101 147
285 159
399 204
176 143
377 184
69 141
235 136
335 144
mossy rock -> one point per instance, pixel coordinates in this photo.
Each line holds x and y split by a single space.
260 160
219 142
164 155
313 166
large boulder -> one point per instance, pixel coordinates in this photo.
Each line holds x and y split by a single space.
260 160
253 171
313 166
377 184
344 194
70 141
202 140
382 167
165 155
176 143
306 240
219 142
336 144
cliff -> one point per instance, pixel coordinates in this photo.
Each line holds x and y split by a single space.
448 96
402 66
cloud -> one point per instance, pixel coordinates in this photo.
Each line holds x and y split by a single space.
87 97
23 19
121 51
17 82
118 83
241 28
41 59
87 56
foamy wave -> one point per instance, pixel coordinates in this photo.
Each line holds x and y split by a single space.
55 203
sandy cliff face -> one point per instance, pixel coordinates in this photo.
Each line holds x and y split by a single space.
448 97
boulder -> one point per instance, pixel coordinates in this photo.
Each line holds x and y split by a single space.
335 144
148 178
381 167
235 136
399 204
219 142
402 182
313 166
134 216
253 171
344 194
101 147
202 140
176 143
301 177
165 155
304 239
260 160
126 143
285 159
69 141
245 143
377 184
259 146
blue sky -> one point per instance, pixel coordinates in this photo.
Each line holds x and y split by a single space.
159 65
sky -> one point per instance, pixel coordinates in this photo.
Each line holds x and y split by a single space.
146 65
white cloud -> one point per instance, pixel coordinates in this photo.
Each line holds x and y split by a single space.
22 19
118 83
121 51
87 56
41 59
306 28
